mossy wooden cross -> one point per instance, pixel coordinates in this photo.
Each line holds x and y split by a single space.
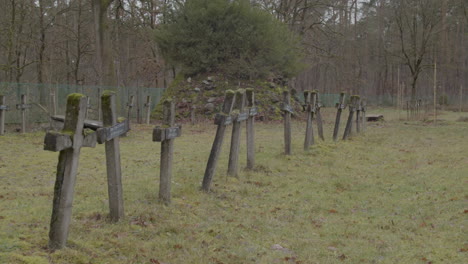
253 111
69 143
23 106
354 99
109 134
309 99
238 115
3 109
340 106
222 119
166 135
288 111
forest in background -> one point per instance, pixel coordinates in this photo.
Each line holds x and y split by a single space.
370 47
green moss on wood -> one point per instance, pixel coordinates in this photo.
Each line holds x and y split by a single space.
121 119
74 99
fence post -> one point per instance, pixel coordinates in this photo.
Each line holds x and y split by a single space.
222 120
240 116
340 106
287 110
250 128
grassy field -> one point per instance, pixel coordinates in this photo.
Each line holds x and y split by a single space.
396 194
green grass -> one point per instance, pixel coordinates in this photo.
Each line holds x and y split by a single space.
396 194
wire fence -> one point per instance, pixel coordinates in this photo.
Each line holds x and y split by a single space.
49 99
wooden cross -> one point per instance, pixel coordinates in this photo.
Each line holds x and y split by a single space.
23 106
239 115
288 111
222 119
309 99
363 114
352 108
166 136
318 115
3 109
358 115
340 106
253 111
148 109
69 143
130 105
109 134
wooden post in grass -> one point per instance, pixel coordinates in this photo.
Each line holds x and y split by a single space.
358 115
252 110
318 116
287 110
352 109
3 109
340 106
222 119
166 135
148 109
109 135
238 118
23 106
130 105
363 115
69 143
309 107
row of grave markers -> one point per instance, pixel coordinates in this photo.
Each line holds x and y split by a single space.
312 106
77 133
238 108
23 106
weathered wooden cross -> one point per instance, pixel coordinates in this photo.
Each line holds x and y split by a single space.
287 112
253 111
222 119
352 108
69 143
148 109
166 135
23 106
363 114
109 134
358 115
309 99
130 105
3 109
318 115
340 106
238 116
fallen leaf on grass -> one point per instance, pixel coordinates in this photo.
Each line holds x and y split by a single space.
342 257
333 211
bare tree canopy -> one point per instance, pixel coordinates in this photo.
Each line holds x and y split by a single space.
369 47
